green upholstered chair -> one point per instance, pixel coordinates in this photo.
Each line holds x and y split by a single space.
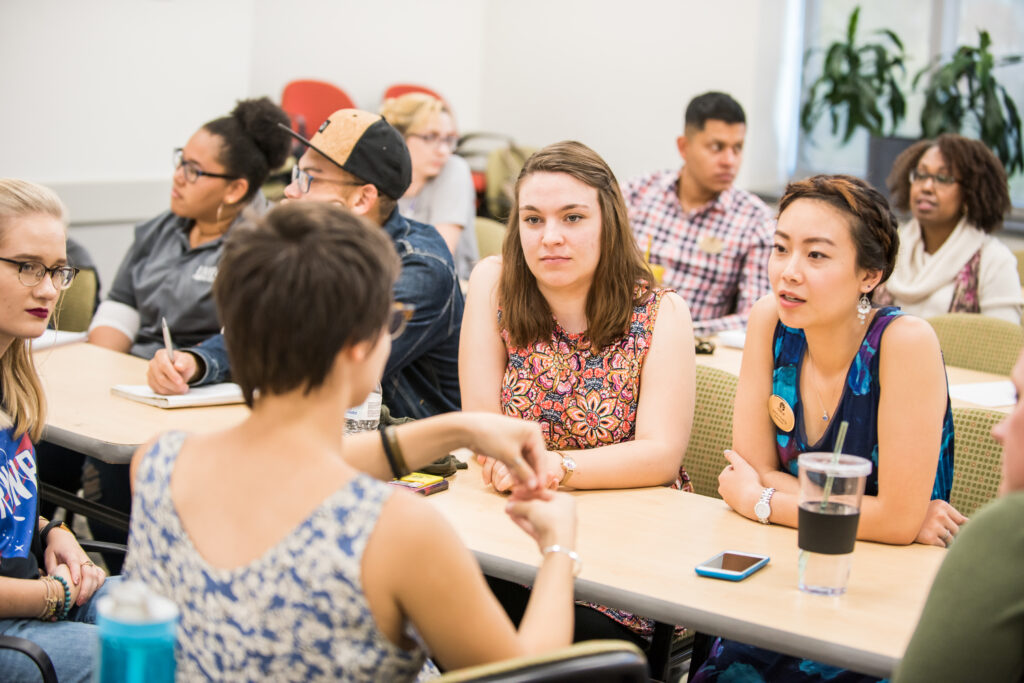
978 342
594 660
977 459
490 234
712 429
77 303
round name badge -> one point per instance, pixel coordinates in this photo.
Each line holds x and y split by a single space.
781 413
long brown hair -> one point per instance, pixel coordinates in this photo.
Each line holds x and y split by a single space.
613 292
23 406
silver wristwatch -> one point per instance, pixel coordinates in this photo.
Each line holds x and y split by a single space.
763 508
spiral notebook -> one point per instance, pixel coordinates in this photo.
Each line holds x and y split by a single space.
211 395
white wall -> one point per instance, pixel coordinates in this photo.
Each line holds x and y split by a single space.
98 92
365 46
617 76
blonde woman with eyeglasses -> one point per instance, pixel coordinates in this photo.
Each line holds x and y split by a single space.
47 582
441 193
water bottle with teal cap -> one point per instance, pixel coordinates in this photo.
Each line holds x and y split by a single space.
137 630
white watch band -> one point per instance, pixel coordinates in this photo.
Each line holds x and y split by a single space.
763 508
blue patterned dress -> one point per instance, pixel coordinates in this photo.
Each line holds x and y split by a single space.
297 613
740 663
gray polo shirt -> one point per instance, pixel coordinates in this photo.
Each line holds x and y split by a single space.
162 276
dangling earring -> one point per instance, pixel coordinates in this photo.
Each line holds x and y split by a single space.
863 308
220 208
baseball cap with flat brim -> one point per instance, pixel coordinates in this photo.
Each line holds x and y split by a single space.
366 146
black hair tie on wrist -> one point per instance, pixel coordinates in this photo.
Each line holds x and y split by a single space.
393 452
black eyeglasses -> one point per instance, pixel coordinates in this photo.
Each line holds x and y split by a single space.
304 181
30 273
939 178
399 316
193 172
435 139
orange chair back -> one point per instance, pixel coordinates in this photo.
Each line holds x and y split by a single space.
399 89
309 103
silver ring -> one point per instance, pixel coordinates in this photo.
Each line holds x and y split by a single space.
948 537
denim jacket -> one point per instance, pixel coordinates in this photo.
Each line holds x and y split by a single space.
422 374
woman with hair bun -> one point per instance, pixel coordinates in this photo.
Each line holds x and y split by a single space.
168 271
817 345
956 191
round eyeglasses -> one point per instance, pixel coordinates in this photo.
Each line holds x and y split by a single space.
193 172
304 180
30 273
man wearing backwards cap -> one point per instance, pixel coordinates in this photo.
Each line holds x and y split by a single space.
358 160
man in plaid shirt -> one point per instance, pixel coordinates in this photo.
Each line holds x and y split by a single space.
712 239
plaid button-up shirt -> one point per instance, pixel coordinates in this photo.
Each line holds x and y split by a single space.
715 257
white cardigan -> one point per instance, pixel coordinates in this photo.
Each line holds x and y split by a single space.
922 283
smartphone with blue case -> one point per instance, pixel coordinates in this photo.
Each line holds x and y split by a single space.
732 565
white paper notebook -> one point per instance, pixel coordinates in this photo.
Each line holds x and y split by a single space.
212 395
988 394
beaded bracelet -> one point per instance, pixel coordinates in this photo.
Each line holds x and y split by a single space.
50 605
65 606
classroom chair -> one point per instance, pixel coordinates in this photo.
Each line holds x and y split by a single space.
977 459
978 342
490 234
503 166
594 660
712 429
309 103
37 654
78 302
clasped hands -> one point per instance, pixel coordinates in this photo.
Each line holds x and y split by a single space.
65 558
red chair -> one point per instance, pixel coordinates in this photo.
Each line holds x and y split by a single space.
309 103
399 89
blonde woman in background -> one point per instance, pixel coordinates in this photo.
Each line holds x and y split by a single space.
441 193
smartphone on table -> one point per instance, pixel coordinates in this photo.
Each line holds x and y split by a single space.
732 565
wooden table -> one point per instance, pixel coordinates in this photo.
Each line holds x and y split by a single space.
729 359
639 548
83 415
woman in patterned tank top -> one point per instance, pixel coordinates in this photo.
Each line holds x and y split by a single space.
566 330
288 558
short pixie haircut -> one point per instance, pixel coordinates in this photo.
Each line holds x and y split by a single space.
302 283
980 174
872 224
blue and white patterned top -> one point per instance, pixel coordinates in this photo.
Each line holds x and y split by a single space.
296 613
858 405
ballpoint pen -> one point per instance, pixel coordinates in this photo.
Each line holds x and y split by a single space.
167 339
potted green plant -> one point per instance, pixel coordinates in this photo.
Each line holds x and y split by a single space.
855 80
860 86
962 95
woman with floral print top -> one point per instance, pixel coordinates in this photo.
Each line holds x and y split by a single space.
565 329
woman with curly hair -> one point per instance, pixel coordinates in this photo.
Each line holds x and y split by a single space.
956 191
